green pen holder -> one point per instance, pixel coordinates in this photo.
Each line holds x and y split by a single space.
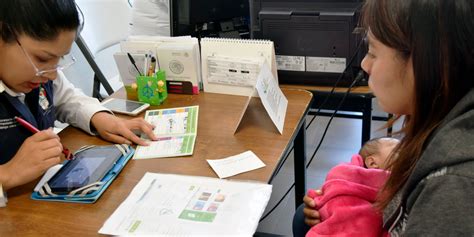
152 89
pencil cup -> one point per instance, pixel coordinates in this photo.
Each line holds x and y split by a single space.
152 89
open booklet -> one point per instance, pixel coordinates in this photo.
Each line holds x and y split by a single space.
178 205
176 129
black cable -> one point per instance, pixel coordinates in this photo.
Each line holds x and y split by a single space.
322 105
337 82
359 76
278 203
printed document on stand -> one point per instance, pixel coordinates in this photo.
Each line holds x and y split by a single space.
272 97
171 205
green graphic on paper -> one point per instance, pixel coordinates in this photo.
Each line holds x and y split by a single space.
134 226
197 216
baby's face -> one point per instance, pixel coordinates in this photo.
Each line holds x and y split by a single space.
386 146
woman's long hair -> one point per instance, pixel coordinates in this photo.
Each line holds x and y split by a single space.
438 35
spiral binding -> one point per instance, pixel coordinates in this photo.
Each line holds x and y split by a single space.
239 41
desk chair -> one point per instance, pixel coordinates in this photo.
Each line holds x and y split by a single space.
106 24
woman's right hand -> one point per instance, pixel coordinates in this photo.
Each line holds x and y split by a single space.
36 155
311 215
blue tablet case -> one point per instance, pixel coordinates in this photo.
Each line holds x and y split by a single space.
91 193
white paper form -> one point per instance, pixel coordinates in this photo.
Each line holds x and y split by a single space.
272 97
233 70
237 164
170 205
176 129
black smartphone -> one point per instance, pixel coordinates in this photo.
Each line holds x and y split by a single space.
89 166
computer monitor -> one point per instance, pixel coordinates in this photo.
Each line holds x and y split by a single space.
314 39
210 18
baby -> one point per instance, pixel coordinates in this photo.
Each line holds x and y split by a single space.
350 189
375 152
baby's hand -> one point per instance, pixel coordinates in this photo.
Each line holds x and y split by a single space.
311 215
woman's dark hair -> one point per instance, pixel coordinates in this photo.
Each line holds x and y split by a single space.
39 19
438 35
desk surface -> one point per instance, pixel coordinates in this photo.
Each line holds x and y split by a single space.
218 115
356 89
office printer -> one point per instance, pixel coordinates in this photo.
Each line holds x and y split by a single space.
314 39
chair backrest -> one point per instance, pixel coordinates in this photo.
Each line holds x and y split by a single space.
150 17
106 23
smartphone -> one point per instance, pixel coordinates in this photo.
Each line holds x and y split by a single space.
122 106
89 166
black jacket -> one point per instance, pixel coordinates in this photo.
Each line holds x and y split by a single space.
12 134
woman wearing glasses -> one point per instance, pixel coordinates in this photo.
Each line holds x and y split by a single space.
34 36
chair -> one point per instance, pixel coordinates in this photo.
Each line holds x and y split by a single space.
106 24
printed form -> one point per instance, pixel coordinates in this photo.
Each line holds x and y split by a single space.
176 130
272 97
169 205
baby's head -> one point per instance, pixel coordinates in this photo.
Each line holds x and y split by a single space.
375 152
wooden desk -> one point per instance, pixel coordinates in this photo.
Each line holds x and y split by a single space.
218 115
359 100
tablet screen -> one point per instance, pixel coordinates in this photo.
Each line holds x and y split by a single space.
88 167
122 105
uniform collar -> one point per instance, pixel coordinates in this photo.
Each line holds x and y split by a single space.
4 88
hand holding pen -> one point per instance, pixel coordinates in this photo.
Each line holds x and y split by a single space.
35 156
31 128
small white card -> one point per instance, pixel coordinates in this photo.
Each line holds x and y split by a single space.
237 164
272 97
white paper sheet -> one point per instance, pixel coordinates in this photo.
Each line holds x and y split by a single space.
170 205
272 97
237 164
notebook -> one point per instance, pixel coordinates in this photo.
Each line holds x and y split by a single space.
231 66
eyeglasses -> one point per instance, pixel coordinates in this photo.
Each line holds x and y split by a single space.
67 61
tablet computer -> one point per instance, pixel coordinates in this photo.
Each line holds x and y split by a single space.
122 106
89 166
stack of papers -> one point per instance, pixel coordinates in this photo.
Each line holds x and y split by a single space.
176 130
165 204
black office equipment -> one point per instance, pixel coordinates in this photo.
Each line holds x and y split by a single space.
314 39
210 18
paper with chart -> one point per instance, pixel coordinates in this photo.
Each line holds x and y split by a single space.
170 205
230 66
176 129
272 97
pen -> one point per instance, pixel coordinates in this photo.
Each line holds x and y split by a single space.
151 70
31 128
133 63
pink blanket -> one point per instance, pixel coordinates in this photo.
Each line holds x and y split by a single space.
346 206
